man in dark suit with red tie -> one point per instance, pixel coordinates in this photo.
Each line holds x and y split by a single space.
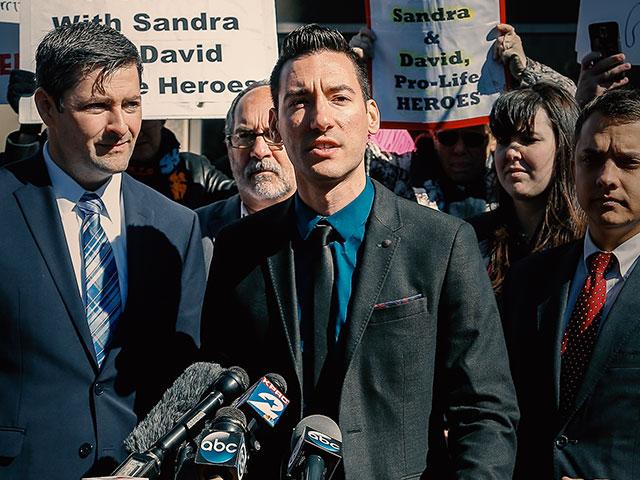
101 278
376 310
571 315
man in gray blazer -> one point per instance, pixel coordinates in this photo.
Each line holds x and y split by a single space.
407 332
571 315
101 278
261 168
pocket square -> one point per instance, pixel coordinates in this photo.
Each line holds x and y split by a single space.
395 303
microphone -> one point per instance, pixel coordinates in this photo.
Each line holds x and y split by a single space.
316 446
222 450
148 463
264 402
181 397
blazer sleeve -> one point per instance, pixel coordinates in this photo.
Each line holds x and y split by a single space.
480 405
193 285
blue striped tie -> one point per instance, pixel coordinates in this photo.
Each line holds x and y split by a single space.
103 302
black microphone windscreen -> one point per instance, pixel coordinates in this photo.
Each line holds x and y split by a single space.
278 381
317 422
182 396
231 413
241 377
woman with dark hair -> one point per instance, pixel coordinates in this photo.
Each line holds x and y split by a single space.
534 128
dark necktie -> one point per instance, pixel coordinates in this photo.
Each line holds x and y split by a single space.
323 279
581 334
100 275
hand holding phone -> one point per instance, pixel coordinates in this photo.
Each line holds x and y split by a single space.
604 68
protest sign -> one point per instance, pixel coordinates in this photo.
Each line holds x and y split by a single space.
626 13
197 55
9 38
433 63
10 11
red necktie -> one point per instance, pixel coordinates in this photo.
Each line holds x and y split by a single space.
582 331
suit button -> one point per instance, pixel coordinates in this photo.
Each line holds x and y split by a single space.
562 441
85 450
98 389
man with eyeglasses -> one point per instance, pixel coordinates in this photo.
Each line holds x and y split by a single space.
261 168
459 181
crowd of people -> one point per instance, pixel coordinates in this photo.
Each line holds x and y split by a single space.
461 301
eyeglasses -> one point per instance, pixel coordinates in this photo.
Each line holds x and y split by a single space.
449 138
248 139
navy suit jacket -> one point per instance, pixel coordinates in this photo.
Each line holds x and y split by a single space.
215 217
60 416
422 340
600 438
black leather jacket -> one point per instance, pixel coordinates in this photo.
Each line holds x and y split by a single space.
185 177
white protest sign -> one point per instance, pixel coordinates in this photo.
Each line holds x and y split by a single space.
9 48
9 11
433 63
627 15
197 55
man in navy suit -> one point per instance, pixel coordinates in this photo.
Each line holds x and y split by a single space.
101 278
571 315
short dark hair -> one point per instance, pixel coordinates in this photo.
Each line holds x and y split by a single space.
229 123
69 52
310 39
618 106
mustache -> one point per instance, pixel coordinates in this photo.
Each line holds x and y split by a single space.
262 166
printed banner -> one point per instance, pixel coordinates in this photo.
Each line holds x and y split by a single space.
626 13
9 38
433 61
197 55
10 11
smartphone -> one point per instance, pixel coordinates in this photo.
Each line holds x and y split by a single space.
605 38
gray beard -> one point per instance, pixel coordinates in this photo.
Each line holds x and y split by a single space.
267 189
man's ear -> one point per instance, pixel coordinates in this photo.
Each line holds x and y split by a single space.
373 115
46 106
273 125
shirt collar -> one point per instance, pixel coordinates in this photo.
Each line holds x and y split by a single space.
66 188
347 222
626 253
243 210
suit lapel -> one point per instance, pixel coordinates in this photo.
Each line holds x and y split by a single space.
137 214
551 312
374 261
38 205
232 209
621 321
281 273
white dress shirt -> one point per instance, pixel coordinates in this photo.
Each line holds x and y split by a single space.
243 210
67 193
626 256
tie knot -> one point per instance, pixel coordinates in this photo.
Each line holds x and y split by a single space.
599 262
322 235
90 204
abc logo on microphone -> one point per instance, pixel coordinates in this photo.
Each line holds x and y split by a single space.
323 441
223 449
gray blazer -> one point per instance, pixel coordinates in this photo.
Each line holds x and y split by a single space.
405 365
600 438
